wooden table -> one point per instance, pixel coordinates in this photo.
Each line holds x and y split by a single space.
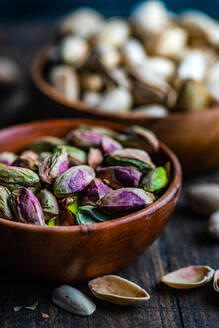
183 242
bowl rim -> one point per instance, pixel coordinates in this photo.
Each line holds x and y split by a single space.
48 90
174 186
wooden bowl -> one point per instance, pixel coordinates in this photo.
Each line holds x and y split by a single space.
194 137
77 253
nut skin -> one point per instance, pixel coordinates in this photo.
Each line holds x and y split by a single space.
49 204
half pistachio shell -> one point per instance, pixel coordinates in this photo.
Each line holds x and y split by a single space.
117 290
189 277
216 281
73 180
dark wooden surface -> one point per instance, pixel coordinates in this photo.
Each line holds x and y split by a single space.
183 242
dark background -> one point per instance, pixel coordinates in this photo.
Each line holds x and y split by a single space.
14 10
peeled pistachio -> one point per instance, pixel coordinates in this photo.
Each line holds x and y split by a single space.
18 175
114 33
84 138
139 137
96 190
193 66
76 156
120 176
154 181
65 80
53 165
203 198
125 200
117 290
192 96
7 158
116 100
133 52
5 211
45 144
74 50
28 159
73 180
85 22
216 281
189 277
26 207
153 111
130 157
108 144
213 225
49 204
94 157
73 301
150 16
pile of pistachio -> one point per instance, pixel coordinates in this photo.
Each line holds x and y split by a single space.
152 63
93 175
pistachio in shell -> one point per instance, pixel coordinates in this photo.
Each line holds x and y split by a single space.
130 157
7 158
189 277
213 225
125 200
84 138
139 137
49 204
216 281
94 157
5 210
53 165
73 180
192 96
117 290
155 180
26 207
73 50
45 144
76 156
120 176
12 175
108 144
96 190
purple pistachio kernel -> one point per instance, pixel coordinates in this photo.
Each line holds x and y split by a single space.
109 144
73 180
120 176
26 207
84 138
125 200
95 191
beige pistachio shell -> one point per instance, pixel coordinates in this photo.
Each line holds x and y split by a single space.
216 281
117 290
189 277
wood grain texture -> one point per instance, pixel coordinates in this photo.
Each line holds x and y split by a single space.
183 242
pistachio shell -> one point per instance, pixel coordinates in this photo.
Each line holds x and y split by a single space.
213 225
73 180
139 137
53 165
65 80
26 207
216 281
73 301
114 33
117 290
193 66
94 157
92 98
7 158
107 56
203 199
118 77
119 176
189 277
151 111
85 22
5 210
125 200
74 50
159 66
133 52
92 81
95 191
116 100
45 144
